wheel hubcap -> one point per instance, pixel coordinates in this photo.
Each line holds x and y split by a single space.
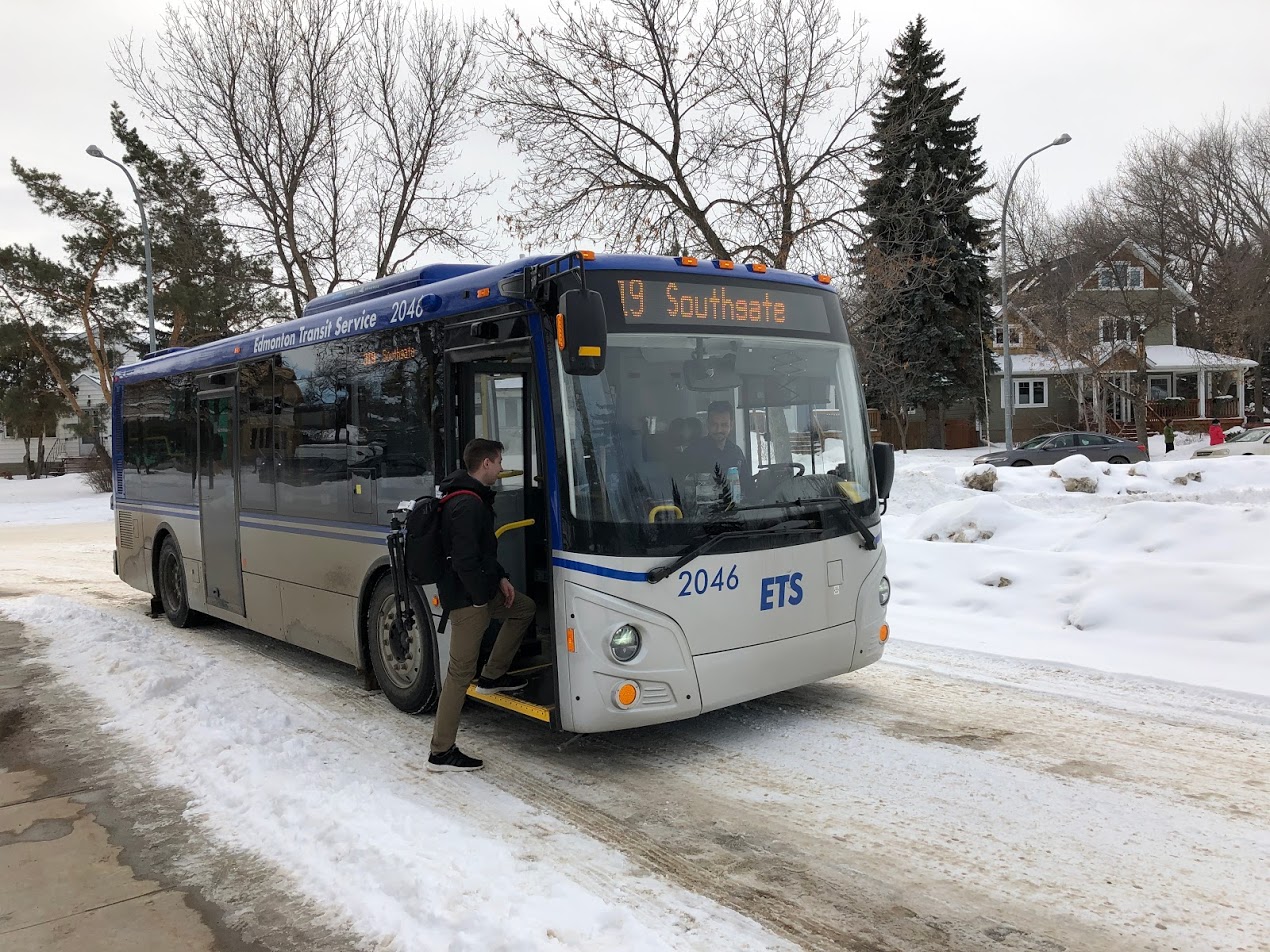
400 651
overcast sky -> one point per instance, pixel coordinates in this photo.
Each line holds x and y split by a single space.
1104 71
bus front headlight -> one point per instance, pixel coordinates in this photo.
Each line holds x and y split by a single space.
884 590
624 644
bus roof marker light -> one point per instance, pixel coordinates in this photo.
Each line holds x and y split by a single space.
757 267
587 255
687 261
823 278
482 292
724 264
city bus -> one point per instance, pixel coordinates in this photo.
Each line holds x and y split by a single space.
254 479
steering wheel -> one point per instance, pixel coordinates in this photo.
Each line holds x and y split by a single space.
795 466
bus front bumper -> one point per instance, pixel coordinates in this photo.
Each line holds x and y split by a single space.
742 674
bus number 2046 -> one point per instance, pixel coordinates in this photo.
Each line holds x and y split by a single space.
700 582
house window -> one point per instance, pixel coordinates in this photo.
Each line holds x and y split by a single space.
1114 329
1030 392
1121 275
1016 336
1159 387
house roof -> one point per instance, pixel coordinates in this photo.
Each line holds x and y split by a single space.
1166 357
1173 357
1063 276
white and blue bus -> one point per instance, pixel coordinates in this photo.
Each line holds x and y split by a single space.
254 476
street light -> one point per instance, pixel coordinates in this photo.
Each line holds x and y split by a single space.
96 153
1005 297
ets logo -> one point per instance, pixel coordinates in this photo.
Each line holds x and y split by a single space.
781 590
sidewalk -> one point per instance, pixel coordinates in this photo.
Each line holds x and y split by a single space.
64 883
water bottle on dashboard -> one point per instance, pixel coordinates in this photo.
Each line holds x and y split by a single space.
734 484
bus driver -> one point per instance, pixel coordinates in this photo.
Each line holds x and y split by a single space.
717 448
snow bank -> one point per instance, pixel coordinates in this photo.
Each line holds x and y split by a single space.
1162 572
55 500
414 861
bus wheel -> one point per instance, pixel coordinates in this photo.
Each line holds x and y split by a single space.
171 585
402 661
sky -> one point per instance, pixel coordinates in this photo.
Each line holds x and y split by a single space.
1103 72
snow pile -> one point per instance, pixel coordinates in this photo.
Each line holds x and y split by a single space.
61 499
1162 572
415 861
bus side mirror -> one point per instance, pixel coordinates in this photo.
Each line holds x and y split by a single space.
884 467
582 332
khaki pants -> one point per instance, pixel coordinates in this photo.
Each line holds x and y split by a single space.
467 628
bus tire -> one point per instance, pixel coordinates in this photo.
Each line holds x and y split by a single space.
170 584
406 672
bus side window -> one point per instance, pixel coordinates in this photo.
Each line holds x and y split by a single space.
391 433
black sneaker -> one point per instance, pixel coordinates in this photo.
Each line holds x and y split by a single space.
503 684
453 759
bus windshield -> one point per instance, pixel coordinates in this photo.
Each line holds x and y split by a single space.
682 431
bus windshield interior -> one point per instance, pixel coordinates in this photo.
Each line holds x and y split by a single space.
682 430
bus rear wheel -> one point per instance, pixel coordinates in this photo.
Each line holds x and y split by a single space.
403 661
171 586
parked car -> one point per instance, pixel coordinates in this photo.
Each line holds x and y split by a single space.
1254 442
1051 447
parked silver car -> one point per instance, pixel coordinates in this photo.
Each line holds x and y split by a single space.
1254 442
1051 447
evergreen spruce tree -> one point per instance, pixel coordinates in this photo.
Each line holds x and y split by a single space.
924 255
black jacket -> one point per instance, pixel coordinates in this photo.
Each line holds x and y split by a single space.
472 572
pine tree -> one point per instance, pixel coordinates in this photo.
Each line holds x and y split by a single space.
204 286
923 259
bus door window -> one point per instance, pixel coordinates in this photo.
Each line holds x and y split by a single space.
499 412
257 461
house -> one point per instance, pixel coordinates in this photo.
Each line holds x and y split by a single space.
69 440
1076 326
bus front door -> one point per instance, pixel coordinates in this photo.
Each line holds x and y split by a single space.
218 501
498 409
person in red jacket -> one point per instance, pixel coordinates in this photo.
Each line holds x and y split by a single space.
1216 434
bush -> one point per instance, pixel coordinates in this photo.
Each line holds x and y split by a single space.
100 479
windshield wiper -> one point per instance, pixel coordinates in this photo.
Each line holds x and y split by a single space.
655 575
853 517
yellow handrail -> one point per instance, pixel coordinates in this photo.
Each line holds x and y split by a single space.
657 510
523 524
509 473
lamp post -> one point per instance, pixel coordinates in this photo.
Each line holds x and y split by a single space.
1005 296
96 153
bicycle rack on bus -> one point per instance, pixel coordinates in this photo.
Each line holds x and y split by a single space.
404 617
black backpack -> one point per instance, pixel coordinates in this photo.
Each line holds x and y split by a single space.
425 554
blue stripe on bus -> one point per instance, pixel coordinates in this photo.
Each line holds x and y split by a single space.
600 570
548 430
159 509
317 533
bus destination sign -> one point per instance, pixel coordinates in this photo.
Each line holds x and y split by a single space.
679 302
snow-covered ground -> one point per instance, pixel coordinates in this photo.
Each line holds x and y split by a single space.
1064 747
60 499
1160 573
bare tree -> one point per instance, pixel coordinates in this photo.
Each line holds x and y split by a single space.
730 129
803 90
1035 234
320 121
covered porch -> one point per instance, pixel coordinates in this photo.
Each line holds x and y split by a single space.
1183 391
